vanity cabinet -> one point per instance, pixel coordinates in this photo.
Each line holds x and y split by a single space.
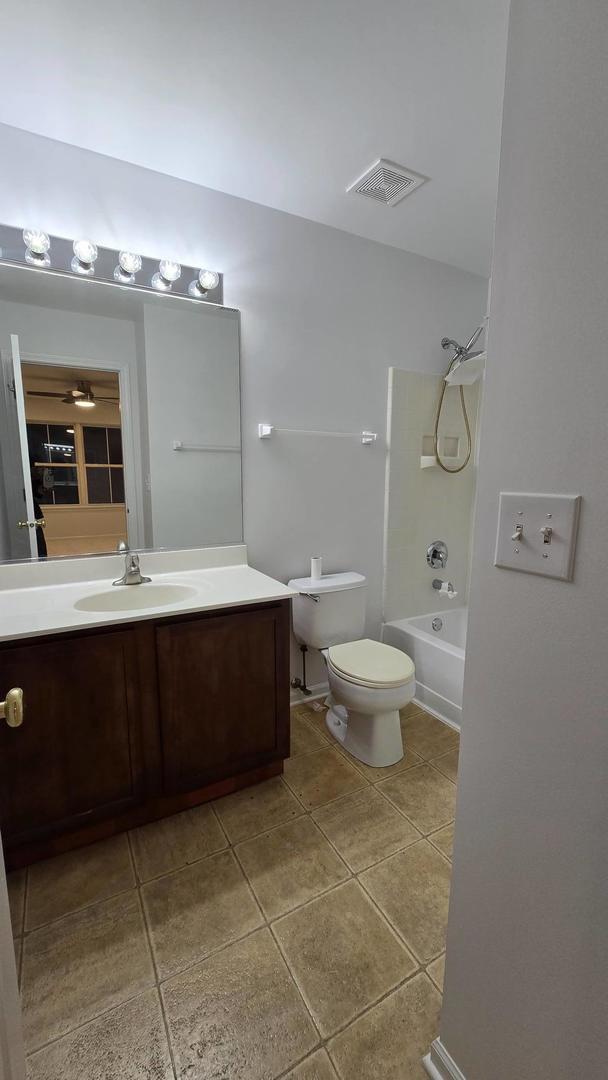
220 695
128 724
78 752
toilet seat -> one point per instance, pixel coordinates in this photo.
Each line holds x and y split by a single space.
370 663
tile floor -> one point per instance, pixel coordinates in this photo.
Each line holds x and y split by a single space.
295 929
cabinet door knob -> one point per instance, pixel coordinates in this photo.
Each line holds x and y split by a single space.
11 709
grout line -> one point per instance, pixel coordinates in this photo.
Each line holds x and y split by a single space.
91 1020
148 934
79 910
295 983
400 935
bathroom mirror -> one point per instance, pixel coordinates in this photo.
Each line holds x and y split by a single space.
119 418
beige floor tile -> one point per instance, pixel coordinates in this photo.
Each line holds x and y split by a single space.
173 842
316 1067
320 777
16 898
305 737
237 1015
316 717
365 827
448 764
427 736
412 709
426 796
78 967
391 1039
128 1043
342 955
444 840
413 890
72 881
196 910
373 774
256 809
436 970
290 865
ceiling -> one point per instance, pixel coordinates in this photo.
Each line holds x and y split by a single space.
283 102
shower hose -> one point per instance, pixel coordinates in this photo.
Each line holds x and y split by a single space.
442 465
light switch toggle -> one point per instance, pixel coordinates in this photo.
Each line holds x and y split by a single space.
547 533
519 531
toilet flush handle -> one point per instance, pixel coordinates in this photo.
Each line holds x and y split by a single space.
311 596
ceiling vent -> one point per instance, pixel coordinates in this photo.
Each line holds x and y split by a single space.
386 182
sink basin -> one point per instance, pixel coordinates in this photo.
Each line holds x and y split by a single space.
136 597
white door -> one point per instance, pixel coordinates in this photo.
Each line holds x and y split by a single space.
20 527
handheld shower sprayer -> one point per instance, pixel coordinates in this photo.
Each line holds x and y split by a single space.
463 354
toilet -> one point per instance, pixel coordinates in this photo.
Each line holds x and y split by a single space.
369 682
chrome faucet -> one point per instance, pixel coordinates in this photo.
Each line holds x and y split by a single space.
132 574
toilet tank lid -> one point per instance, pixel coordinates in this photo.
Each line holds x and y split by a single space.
328 583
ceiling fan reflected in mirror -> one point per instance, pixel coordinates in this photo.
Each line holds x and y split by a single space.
81 395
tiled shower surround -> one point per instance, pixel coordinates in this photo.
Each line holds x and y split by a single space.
425 504
295 929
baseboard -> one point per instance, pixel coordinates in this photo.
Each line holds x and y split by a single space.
440 1065
319 690
438 706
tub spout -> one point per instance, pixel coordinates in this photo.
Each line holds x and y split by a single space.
445 588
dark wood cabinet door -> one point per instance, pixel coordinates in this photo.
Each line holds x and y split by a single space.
224 694
77 757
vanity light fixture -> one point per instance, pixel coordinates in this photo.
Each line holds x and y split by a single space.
85 253
129 264
206 280
80 257
168 272
37 244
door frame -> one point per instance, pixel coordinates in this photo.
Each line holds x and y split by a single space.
130 428
12 1050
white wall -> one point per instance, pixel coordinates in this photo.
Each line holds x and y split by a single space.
423 505
324 315
526 987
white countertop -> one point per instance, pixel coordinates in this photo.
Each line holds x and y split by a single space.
36 610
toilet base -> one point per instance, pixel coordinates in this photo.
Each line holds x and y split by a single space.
375 740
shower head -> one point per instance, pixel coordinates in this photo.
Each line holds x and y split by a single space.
467 365
467 369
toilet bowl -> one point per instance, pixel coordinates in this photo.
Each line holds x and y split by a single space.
369 683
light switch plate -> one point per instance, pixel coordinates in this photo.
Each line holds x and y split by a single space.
537 533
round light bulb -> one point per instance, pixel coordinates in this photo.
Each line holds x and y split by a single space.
85 251
208 279
158 282
79 267
171 271
36 241
129 262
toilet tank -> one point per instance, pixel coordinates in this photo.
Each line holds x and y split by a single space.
336 615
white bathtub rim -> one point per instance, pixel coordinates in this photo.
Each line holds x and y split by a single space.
407 626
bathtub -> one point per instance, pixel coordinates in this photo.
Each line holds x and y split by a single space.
438 655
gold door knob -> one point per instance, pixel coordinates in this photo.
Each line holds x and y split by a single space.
11 709
37 522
